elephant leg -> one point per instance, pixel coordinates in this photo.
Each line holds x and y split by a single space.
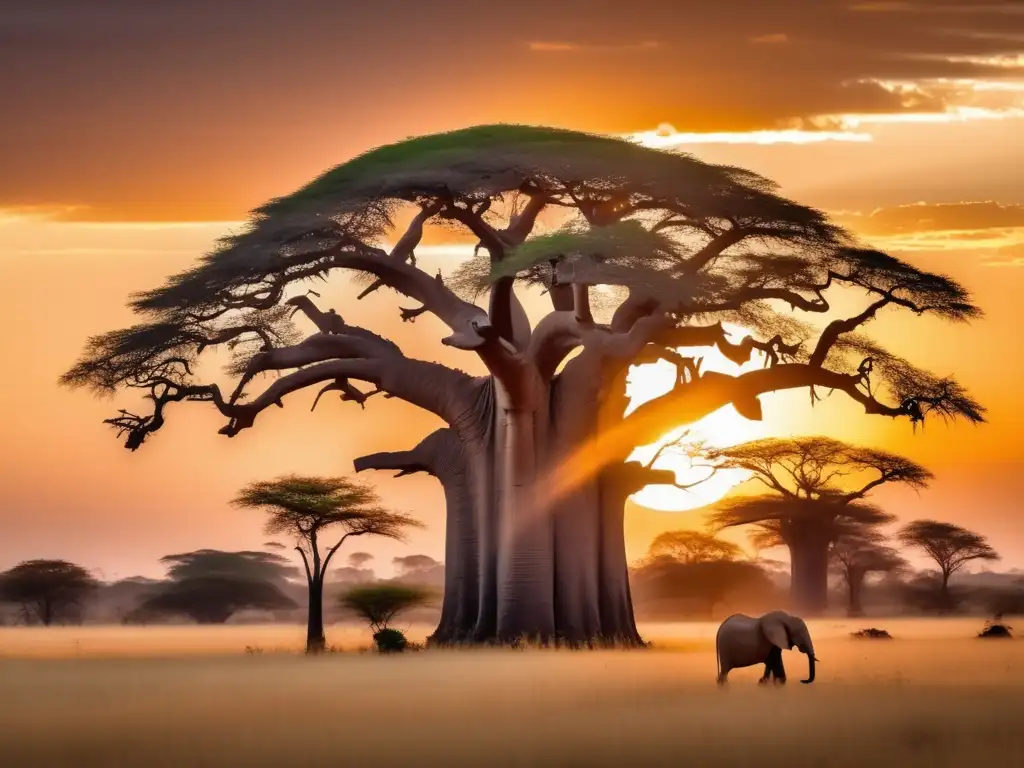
773 667
780 671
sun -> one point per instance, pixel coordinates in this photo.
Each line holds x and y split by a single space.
720 429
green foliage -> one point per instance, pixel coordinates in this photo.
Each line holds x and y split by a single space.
390 640
302 507
378 604
705 242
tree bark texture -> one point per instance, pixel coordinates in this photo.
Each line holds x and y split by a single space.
523 564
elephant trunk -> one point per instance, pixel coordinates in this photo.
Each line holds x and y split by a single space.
810 667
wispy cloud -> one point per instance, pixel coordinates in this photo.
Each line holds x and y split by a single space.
776 38
989 230
666 137
544 46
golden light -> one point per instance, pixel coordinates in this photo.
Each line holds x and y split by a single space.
720 429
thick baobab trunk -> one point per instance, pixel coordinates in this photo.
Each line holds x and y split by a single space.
528 557
517 564
809 571
316 641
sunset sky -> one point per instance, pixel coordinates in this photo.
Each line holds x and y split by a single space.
134 134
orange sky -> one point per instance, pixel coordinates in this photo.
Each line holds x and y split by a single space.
139 136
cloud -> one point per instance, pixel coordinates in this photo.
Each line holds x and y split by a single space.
198 110
991 231
938 217
776 38
563 47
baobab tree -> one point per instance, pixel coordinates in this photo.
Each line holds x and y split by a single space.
640 252
950 546
305 508
857 552
806 508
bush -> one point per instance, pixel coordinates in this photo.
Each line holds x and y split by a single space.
996 628
872 633
390 640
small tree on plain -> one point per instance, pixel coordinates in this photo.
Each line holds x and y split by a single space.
857 553
48 591
379 604
304 508
949 546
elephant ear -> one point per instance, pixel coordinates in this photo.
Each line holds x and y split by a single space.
773 625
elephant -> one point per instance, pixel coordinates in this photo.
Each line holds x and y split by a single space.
743 641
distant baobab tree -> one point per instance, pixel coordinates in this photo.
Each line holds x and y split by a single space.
308 509
640 252
858 551
949 546
805 507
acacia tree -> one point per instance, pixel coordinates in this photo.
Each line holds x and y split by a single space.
805 508
860 551
657 250
212 599
950 546
244 565
697 568
692 547
305 508
47 590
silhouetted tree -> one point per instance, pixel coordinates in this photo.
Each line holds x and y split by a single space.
213 599
48 591
671 584
359 559
254 566
306 508
950 546
533 459
805 509
379 604
692 547
860 551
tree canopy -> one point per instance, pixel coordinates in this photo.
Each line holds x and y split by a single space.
950 546
805 479
255 566
379 604
719 243
304 507
213 599
692 547
48 591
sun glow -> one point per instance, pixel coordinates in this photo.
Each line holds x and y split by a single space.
720 429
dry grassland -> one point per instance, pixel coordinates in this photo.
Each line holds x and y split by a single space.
190 697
